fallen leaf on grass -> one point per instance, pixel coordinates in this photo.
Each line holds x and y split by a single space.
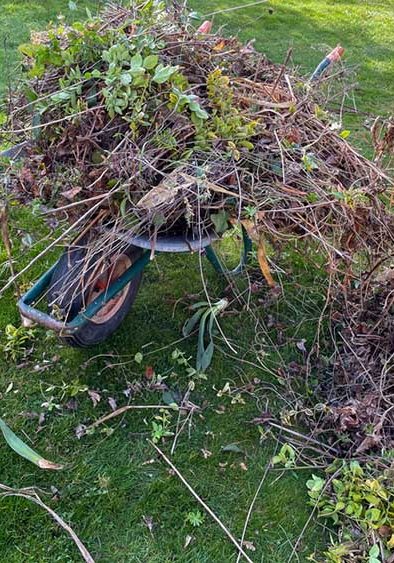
249 545
206 453
188 541
148 521
232 448
80 431
301 345
96 397
71 193
112 403
24 450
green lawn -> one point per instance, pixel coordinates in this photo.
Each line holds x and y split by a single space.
113 479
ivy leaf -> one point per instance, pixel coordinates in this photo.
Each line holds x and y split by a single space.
150 62
163 73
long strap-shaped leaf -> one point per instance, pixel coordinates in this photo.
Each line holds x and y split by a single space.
24 450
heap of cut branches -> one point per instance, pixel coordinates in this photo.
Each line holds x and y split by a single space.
170 128
359 387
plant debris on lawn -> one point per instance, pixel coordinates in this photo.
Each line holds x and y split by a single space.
140 122
171 128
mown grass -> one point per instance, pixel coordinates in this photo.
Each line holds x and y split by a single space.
113 480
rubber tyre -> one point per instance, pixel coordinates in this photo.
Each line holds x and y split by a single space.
65 293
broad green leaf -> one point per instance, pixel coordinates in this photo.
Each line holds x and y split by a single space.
373 514
136 61
206 358
191 323
28 49
344 134
150 62
24 450
163 73
125 79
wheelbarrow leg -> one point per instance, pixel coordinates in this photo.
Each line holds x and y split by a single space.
215 261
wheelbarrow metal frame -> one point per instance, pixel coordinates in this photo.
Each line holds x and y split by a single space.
164 244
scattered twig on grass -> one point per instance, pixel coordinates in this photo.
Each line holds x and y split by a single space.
233 8
267 468
203 504
122 410
30 494
307 439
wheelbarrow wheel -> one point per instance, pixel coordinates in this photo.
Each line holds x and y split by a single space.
78 280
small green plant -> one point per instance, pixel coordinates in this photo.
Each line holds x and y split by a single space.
205 315
358 501
286 456
226 124
161 425
195 518
16 340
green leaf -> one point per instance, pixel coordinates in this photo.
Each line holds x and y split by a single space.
233 448
373 514
136 62
138 357
191 323
163 73
24 450
344 134
374 551
315 484
372 499
72 5
126 79
206 358
150 62
220 221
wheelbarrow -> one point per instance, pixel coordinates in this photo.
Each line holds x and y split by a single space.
96 312
97 302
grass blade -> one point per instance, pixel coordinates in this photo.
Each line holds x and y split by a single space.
24 450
